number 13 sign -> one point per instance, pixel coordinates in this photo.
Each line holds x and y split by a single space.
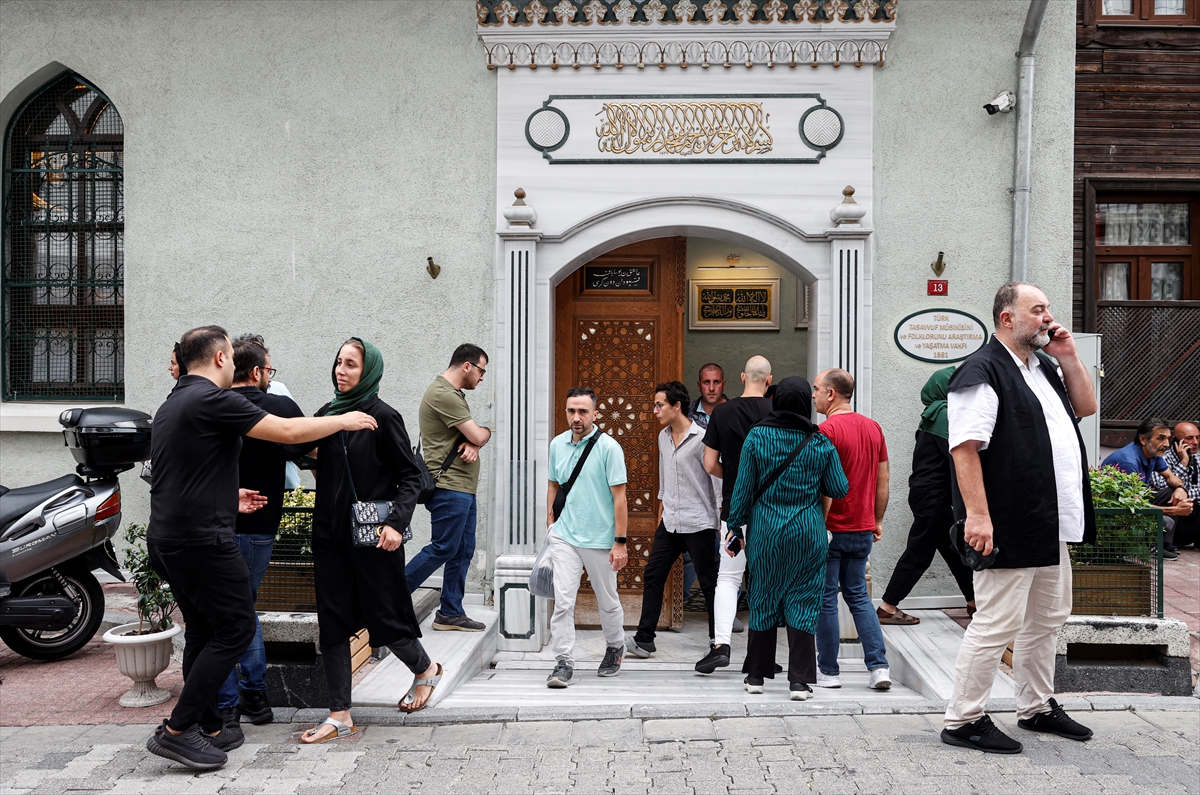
938 287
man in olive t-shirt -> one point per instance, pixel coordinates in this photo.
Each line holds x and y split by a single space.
447 427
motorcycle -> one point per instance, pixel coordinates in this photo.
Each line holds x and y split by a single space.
54 534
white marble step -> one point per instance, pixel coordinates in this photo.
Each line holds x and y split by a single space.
643 682
922 656
462 655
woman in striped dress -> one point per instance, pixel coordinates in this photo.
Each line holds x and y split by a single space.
785 536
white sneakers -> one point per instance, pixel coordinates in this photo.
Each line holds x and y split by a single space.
881 679
832 681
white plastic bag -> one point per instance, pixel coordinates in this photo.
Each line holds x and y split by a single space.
541 578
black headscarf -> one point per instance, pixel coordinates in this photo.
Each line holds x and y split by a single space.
792 406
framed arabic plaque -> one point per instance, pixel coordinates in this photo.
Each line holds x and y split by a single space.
618 276
751 305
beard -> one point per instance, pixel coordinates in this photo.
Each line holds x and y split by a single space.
1036 338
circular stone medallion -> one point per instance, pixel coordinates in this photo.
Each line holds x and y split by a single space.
821 127
547 129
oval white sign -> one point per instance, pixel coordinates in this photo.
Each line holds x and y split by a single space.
940 335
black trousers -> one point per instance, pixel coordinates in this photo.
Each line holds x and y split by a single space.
211 585
802 655
337 667
1162 498
664 551
929 534
1187 528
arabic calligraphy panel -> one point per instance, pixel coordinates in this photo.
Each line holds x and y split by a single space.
734 306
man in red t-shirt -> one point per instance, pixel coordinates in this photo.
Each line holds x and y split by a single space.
855 522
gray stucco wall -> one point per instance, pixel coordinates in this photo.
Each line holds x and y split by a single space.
289 167
786 348
943 174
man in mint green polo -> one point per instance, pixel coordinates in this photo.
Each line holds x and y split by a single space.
589 534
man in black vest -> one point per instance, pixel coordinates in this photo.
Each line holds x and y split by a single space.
1022 488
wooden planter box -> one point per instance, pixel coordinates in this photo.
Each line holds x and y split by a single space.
288 588
1106 590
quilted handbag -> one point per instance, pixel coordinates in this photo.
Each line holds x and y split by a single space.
367 518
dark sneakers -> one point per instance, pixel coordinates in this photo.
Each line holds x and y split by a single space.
255 706
455 623
982 735
800 691
611 664
561 675
189 748
1057 722
717 657
228 738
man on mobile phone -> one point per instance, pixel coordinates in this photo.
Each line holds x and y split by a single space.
1183 459
1022 485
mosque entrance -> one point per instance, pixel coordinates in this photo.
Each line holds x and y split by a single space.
619 330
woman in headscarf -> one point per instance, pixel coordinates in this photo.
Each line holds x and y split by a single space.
364 586
778 500
933 514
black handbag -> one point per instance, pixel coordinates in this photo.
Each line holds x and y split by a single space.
367 518
428 479
560 499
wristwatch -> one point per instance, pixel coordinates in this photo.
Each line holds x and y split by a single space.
621 539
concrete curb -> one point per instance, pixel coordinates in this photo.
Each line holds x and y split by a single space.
381 716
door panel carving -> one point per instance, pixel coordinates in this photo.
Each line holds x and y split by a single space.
621 343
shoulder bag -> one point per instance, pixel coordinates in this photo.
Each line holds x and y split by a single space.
560 499
367 518
428 479
774 476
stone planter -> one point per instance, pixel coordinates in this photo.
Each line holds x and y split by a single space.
142 658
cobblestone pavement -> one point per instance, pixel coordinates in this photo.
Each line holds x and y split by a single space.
1142 752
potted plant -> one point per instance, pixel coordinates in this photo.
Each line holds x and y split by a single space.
144 649
1116 575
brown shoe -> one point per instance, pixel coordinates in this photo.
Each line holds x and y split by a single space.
900 618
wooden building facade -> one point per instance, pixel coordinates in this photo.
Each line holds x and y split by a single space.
1137 206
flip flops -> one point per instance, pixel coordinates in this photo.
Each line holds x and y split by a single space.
899 617
406 703
341 730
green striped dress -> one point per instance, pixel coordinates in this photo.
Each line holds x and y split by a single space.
786 543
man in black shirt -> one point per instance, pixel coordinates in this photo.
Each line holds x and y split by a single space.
261 470
193 512
723 440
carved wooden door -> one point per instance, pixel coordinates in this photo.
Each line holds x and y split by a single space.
619 330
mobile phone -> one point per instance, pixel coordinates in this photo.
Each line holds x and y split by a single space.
1051 333
734 544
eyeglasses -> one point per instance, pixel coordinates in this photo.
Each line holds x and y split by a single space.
271 371
482 371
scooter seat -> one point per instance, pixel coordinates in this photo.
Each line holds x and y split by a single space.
14 503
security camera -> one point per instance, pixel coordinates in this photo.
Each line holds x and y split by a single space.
1003 103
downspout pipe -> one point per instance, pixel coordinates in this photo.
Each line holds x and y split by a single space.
1023 165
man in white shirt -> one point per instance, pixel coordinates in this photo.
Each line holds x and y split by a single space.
1018 458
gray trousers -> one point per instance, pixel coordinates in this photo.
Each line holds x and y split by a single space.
569 563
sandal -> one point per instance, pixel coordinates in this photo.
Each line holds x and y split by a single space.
406 703
899 618
340 730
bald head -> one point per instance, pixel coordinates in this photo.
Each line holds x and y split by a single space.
758 370
1189 435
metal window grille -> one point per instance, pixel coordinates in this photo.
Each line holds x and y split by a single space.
62 263
1121 574
289 585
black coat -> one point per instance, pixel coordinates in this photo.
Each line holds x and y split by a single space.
361 587
1018 475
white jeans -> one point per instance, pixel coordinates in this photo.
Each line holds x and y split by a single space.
1026 604
569 562
729 582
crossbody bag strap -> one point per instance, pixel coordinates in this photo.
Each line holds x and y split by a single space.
346 460
779 470
450 458
566 488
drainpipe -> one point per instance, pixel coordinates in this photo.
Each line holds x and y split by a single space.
1023 166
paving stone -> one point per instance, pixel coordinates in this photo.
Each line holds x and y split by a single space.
606 732
821 726
1185 722
896 724
750 727
535 732
658 731
810 707
698 710
467 734
575 713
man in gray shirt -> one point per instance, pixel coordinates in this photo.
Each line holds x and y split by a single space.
687 513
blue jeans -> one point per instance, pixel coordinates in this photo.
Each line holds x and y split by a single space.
847 565
256 551
451 544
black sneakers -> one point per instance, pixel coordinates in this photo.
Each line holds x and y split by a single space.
228 738
717 657
639 649
459 623
1057 722
753 684
190 748
800 691
982 735
561 675
611 664
255 706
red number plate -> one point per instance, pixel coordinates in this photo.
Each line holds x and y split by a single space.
939 287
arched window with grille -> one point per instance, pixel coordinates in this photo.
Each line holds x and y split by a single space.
62 279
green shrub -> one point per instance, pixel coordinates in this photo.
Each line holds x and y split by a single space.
1120 539
155 601
1112 488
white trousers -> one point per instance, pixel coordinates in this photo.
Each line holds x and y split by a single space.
569 563
1024 607
729 583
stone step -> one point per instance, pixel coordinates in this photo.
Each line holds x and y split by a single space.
922 656
462 655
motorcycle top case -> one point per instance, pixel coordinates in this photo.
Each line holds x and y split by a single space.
107 436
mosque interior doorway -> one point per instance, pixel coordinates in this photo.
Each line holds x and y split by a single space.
619 330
